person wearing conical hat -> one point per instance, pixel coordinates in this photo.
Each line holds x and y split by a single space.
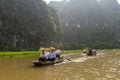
41 50
52 55
42 54
47 52
47 49
52 48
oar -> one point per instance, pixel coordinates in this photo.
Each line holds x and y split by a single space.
68 59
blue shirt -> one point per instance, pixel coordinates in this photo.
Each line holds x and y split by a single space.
45 54
52 54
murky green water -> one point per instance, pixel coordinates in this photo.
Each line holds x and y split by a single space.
105 66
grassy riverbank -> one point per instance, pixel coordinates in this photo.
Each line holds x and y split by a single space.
32 53
111 50
19 53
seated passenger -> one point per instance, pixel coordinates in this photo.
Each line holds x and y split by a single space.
52 55
47 52
90 51
42 55
85 50
94 52
58 53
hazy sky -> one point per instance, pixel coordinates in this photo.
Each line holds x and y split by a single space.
61 0
51 0
119 1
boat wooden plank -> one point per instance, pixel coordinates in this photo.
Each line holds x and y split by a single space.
48 62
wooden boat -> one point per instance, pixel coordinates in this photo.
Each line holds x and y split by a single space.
90 54
39 63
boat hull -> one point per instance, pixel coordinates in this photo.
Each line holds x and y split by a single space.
38 63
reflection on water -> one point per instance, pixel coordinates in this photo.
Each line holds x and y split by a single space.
105 66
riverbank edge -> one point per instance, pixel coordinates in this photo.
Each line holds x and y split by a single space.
31 53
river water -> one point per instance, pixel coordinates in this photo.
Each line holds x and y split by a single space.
103 66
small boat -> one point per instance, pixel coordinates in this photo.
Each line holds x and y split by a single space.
40 63
90 54
93 53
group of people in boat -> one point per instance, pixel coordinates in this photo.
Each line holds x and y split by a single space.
49 54
89 51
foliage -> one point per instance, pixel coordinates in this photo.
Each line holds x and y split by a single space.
27 24
89 23
31 53
21 53
73 46
73 24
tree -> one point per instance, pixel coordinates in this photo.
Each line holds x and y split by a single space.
25 24
88 21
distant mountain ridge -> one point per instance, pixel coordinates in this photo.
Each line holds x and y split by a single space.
89 22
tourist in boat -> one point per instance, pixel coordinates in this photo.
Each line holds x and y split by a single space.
94 52
52 55
85 51
47 52
90 51
58 53
43 54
